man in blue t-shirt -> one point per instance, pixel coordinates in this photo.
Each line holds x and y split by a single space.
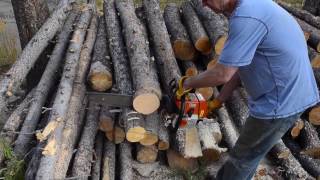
267 52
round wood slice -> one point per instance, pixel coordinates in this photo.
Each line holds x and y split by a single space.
183 50
314 116
146 103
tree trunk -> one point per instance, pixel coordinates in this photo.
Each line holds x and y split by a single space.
77 105
180 40
213 24
125 160
292 168
14 78
33 164
54 129
178 162
152 127
187 142
311 6
117 135
95 172
146 154
120 60
48 79
164 142
100 74
30 16
147 89
302 14
109 161
196 31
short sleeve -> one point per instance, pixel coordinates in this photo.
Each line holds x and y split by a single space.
245 34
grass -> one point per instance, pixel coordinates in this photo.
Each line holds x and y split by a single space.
8 44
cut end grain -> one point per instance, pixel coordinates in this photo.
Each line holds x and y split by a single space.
100 81
314 116
295 131
149 139
210 155
184 50
146 103
163 145
135 134
203 45
206 92
220 44
147 154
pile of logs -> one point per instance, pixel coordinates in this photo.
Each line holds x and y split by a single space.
138 52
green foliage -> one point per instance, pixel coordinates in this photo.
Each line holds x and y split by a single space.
8 48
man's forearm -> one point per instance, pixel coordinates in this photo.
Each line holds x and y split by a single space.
229 87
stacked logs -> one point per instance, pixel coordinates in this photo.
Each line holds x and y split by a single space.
138 52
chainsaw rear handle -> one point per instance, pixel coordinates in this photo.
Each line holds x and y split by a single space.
181 91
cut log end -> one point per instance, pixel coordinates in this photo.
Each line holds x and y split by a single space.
184 50
314 116
116 136
206 92
147 154
106 124
178 162
306 35
203 45
135 134
220 44
212 64
146 103
295 131
100 81
192 71
149 139
163 145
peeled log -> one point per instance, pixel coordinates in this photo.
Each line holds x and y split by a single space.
147 89
295 131
180 40
152 127
147 154
109 161
100 74
77 105
125 160
213 24
178 162
314 116
196 31
22 144
120 60
97 162
14 78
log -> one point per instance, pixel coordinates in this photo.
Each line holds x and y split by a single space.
14 78
309 164
189 68
106 120
120 60
291 167
134 126
309 138
53 131
98 153
82 161
295 131
164 142
178 162
212 63
152 127
109 161
77 105
180 40
213 24
311 6
147 154
187 142
147 89
125 160
314 115
117 135
314 41
196 31
229 131
237 108
100 74
48 79
33 164
302 14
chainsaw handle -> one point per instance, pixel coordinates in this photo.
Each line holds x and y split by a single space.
181 91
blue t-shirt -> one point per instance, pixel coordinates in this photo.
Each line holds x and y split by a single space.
270 49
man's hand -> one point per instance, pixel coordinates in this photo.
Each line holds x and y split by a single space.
182 90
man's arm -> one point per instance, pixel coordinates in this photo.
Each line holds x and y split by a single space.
229 87
216 76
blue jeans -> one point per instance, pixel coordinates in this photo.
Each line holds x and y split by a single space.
257 137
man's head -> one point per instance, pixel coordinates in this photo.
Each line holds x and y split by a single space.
221 6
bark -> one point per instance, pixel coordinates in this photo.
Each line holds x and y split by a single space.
83 159
10 84
30 16
309 164
54 130
125 160
311 6
100 74
309 138
180 40
163 143
178 162
48 79
146 154
187 142
152 127
237 108
109 161
314 113
98 153
77 105
213 24
230 133
196 31
292 167
147 89
119 59
302 14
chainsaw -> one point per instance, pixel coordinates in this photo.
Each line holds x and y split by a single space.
184 108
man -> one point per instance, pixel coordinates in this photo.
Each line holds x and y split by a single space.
267 51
